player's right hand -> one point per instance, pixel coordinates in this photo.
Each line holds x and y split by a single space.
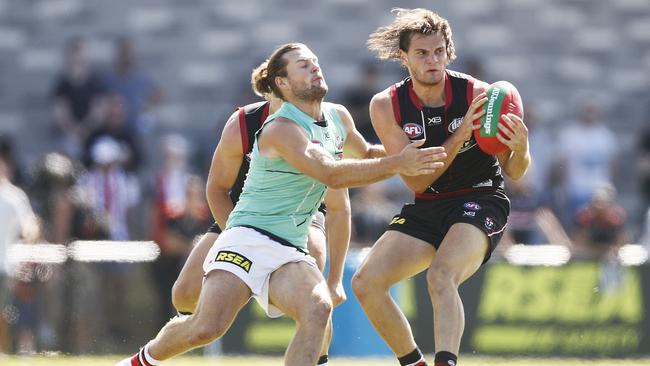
416 161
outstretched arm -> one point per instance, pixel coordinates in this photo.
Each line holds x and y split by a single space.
284 139
226 161
338 239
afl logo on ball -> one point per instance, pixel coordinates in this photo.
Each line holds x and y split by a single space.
412 130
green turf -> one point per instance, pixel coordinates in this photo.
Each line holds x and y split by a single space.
238 361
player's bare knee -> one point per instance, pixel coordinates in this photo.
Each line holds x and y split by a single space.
318 312
440 281
363 284
183 297
359 285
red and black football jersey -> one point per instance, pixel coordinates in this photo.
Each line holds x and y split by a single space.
251 117
472 169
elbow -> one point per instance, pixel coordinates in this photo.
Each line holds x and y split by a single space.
335 182
213 192
333 179
416 187
516 175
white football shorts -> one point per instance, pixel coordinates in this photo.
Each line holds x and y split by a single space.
252 256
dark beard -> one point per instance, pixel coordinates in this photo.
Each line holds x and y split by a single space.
313 94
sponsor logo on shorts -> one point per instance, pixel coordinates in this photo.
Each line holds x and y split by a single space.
234 258
489 224
398 221
469 213
472 206
412 130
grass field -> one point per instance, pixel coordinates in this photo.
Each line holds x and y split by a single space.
239 361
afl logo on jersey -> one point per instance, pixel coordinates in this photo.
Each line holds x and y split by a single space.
412 130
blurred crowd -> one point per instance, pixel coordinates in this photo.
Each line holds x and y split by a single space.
109 180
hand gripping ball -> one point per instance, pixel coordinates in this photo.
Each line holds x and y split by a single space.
503 98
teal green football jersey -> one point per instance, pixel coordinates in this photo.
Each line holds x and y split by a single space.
277 197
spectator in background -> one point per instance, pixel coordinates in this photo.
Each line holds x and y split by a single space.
600 233
531 220
73 292
111 192
587 151
108 188
77 98
182 229
18 222
138 90
7 154
115 127
600 226
170 201
358 98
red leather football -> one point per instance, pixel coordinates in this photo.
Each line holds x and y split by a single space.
503 98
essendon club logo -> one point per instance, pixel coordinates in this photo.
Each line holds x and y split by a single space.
412 130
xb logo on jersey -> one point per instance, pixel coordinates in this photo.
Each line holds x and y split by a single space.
412 130
397 220
433 121
234 258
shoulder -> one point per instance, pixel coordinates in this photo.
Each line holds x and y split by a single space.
382 101
232 128
478 86
342 111
340 108
255 107
282 131
280 125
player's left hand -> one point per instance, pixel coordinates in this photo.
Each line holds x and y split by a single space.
337 292
513 133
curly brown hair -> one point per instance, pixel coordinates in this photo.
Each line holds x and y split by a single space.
387 41
263 77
